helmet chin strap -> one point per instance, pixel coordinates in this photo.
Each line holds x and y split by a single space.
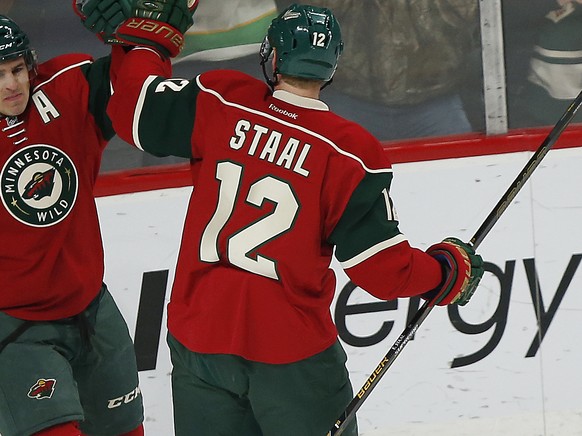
326 84
270 81
265 53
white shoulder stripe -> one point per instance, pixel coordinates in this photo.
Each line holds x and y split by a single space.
137 113
372 251
295 126
564 54
58 73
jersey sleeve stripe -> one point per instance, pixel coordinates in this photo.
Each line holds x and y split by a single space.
349 263
138 109
288 124
559 54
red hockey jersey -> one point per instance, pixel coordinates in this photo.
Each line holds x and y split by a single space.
279 183
51 256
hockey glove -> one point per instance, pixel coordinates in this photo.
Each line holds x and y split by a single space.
462 271
159 24
103 16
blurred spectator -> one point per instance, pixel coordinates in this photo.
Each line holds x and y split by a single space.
410 68
555 69
550 76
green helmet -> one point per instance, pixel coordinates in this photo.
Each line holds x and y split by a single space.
307 41
14 43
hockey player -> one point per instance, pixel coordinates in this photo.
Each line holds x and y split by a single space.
279 183
67 362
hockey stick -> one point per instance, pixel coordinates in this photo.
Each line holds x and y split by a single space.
350 411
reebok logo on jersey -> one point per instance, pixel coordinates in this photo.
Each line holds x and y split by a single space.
39 185
43 388
283 111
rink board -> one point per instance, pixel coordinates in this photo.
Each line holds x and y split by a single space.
486 368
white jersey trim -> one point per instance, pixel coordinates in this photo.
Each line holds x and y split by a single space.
140 102
372 251
298 100
138 109
58 73
558 54
295 126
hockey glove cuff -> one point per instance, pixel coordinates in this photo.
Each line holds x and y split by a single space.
462 271
159 24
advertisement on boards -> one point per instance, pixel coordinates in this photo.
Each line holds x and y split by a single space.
505 364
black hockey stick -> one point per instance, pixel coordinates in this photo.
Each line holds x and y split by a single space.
350 411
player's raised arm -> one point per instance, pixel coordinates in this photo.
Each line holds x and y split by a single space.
149 109
102 17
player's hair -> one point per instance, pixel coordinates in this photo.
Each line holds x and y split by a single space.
307 42
14 43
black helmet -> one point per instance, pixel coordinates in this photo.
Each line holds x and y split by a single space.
14 43
307 40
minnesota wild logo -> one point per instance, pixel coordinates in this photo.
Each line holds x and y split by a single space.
43 388
39 185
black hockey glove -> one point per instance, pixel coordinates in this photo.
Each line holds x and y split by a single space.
103 16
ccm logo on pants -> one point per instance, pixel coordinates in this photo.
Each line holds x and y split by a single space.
127 398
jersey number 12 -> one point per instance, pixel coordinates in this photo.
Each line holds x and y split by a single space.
251 237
